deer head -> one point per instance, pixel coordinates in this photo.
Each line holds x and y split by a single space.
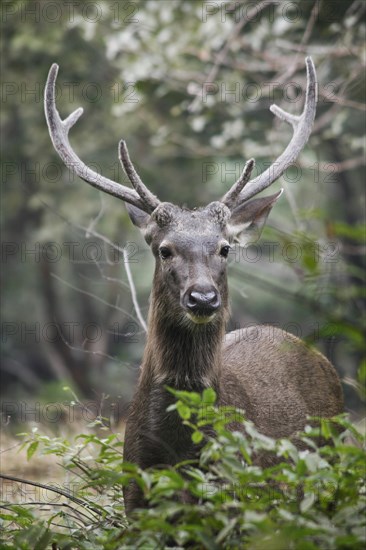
191 247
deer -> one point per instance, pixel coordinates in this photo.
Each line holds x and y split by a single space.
274 377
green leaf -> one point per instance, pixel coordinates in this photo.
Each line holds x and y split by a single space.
44 540
6 517
209 396
307 502
193 398
325 428
197 437
32 449
355 232
183 410
226 530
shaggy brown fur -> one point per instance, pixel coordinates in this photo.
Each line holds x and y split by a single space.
269 373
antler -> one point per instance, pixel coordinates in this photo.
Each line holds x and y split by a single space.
230 198
302 126
140 196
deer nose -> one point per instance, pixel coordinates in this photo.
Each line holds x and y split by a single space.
202 302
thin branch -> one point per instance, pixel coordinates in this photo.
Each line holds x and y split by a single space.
221 57
94 221
129 276
100 353
88 506
307 33
88 351
133 291
293 206
128 272
324 120
311 22
356 6
107 277
91 295
11 448
325 50
130 285
348 164
50 506
330 96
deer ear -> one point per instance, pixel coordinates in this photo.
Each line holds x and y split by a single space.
137 216
247 220
141 220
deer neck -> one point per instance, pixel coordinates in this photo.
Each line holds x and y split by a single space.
180 354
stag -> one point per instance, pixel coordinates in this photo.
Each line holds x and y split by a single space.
274 377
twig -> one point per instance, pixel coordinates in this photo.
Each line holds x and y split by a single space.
311 22
61 492
130 285
330 96
318 49
49 507
347 164
133 291
128 273
293 207
98 216
82 291
225 50
83 350
324 120
308 30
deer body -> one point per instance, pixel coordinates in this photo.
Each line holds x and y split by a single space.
275 389
268 372
272 375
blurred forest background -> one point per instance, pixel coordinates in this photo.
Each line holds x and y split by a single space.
188 84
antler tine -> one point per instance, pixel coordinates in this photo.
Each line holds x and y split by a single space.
230 198
302 126
146 195
59 130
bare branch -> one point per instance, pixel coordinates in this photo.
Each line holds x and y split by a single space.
122 283
95 220
133 291
348 164
130 284
252 13
87 351
87 505
342 100
82 291
301 47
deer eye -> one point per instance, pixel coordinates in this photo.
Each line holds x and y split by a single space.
224 250
165 252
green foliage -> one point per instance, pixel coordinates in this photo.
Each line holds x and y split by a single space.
311 498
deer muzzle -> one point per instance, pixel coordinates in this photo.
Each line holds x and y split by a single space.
201 304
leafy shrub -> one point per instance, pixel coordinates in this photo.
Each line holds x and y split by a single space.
311 499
